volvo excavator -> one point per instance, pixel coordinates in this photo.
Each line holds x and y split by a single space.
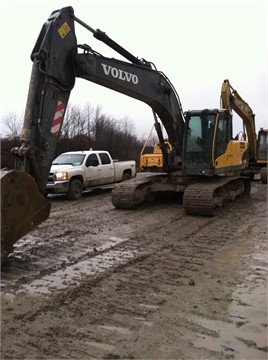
257 144
204 162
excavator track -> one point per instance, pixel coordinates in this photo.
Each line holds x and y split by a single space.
201 197
206 197
130 193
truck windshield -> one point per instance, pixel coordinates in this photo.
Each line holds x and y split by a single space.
69 159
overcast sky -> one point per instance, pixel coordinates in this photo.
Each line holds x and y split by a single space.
197 44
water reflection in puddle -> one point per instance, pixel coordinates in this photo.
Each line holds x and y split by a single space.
101 346
73 274
245 335
120 330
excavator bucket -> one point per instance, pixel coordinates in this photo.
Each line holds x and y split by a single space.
23 208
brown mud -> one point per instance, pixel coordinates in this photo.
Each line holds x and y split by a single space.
93 282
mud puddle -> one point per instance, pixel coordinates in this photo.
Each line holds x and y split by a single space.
188 287
245 335
73 274
103 257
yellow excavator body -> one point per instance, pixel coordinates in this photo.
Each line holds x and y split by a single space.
154 161
233 155
23 208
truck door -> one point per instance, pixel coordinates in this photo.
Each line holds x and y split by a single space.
107 168
93 171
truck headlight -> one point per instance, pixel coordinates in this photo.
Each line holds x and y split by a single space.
60 176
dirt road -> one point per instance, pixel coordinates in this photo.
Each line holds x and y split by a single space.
93 282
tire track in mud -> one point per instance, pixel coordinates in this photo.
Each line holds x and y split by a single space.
63 239
77 235
110 315
67 259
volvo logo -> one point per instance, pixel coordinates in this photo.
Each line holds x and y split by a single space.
120 74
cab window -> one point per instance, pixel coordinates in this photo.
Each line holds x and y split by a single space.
92 160
222 137
105 159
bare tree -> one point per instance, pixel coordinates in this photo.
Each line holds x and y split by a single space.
88 114
13 124
73 121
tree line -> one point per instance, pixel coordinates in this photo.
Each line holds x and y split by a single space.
82 129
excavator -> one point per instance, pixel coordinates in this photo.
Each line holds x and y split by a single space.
153 160
204 162
262 152
257 145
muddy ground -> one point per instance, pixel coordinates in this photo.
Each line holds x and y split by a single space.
93 282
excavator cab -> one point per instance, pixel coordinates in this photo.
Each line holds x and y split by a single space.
262 146
209 148
262 152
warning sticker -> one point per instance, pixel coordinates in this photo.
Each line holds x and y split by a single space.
58 117
64 30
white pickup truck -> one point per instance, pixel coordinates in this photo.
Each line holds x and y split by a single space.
73 172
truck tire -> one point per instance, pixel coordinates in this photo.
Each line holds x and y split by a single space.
75 190
126 176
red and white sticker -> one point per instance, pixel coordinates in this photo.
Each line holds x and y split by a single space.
58 117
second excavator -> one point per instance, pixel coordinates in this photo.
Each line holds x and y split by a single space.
204 162
256 143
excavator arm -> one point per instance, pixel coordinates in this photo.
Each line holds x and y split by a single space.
56 64
257 143
231 100
142 83
52 80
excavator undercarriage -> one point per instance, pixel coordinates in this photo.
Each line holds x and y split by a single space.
201 196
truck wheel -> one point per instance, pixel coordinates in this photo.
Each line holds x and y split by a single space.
75 190
126 176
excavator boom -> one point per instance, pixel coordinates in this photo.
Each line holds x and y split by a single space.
257 143
231 100
23 206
